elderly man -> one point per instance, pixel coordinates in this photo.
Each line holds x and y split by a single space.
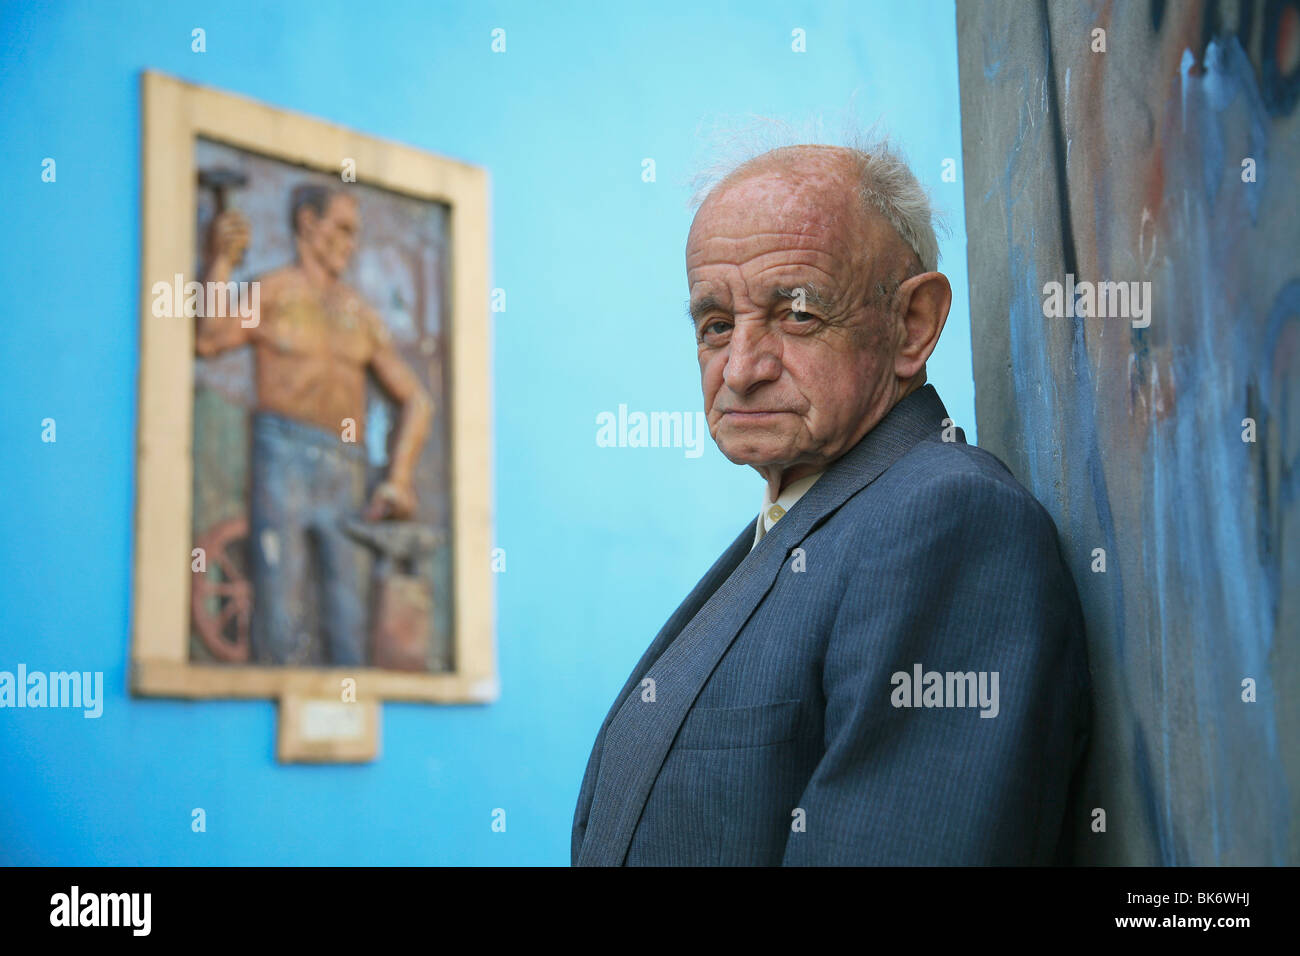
887 666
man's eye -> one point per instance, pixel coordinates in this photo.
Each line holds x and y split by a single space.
717 327
800 316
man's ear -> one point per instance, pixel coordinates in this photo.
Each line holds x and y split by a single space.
922 303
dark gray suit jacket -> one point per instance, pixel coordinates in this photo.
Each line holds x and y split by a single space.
775 732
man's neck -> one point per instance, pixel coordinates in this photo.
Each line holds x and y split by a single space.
316 273
779 480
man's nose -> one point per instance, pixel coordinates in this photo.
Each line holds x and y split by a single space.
753 357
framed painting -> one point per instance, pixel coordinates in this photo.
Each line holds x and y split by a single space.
313 520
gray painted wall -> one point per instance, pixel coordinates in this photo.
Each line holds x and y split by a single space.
1127 165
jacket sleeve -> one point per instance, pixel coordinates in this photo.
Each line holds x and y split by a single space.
975 584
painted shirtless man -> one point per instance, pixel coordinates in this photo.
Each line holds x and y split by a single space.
314 342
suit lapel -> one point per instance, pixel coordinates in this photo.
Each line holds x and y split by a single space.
687 610
713 578
639 734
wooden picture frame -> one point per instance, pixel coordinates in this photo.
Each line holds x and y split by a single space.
175 116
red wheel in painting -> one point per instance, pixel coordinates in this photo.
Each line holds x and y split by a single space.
221 597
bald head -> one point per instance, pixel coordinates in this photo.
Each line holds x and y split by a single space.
828 168
812 313
819 188
823 176
885 185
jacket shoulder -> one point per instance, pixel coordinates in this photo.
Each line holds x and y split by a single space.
951 483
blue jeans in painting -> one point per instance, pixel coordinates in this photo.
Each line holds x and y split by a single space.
304 482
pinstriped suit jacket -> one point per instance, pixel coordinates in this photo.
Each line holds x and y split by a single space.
775 732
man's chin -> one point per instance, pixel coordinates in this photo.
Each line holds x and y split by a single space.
756 456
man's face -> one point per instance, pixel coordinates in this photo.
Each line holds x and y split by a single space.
792 382
332 238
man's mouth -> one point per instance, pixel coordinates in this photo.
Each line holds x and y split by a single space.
752 416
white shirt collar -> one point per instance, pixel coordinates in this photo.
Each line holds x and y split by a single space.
773 510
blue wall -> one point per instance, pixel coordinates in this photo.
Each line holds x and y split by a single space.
601 543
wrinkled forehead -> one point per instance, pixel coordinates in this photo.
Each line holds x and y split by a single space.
813 193
810 213
803 201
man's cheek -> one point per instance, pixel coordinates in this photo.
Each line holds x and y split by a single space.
710 379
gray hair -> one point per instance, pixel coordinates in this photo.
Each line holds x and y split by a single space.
887 184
